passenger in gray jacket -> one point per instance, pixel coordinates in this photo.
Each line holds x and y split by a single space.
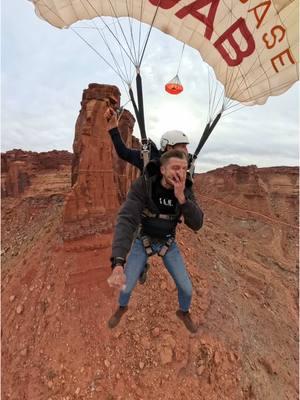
153 207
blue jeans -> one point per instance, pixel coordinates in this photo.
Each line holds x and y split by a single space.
173 262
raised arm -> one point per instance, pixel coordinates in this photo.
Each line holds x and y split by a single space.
132 156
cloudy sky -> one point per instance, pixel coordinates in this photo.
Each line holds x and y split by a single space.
44 71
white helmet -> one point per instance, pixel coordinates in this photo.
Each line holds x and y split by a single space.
171 138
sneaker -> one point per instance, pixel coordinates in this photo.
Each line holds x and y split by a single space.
185 317
143 276
116 317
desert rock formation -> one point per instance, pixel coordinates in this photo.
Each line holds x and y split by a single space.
56 302
99 179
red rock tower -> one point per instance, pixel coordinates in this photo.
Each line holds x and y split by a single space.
99 179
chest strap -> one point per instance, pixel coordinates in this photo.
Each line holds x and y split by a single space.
168 217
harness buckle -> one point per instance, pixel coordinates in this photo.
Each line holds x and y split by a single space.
147 245
163 251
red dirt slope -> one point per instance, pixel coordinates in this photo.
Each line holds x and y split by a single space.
243 264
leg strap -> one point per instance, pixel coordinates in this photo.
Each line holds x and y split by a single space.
147 245
163 251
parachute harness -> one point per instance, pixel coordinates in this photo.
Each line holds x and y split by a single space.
147 243
147 240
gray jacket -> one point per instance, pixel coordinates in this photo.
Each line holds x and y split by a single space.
139 197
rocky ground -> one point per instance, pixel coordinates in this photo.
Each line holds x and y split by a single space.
243 265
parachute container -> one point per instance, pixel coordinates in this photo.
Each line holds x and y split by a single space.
174 86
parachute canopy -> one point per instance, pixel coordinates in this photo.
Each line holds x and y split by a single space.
252 45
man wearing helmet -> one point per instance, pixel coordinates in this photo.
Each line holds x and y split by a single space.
174 139
170 140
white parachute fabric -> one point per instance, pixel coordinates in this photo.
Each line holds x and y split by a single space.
252 45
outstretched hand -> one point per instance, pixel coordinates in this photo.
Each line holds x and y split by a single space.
111 118
117 279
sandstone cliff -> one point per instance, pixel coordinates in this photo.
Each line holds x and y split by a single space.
99 179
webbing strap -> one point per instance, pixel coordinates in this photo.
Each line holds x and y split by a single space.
147 245
170 217
163 251
139 89
146 240
139 113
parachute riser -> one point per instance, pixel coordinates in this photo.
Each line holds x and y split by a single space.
205 135
139 113
145 153
139 89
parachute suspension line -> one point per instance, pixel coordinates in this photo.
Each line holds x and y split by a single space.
131 33
209 93
237 106
227 112
262 94
214 102
139 110
140 29
220 99
179 64
148 35
213 89
139 88
130 57
215 95
124 79
121 109
100 55
125 104
117 70
130 76
102 35
232 103
123 34
211 84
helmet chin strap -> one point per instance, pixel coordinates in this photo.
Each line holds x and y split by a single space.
164 144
